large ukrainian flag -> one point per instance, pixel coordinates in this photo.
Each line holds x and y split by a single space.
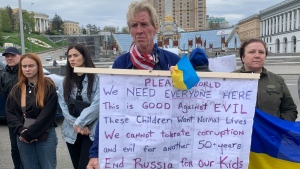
275 143
184 75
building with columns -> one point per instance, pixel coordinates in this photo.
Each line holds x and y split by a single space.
279 27
189 14
41 22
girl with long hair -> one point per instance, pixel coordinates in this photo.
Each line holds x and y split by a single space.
34 99
78 129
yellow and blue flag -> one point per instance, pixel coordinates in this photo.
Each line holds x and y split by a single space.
275 143
184 75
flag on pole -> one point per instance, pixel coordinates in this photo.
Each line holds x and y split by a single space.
184 75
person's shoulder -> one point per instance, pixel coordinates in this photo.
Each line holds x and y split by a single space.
274 76
49 81
168 56
123 56
121 61
168 53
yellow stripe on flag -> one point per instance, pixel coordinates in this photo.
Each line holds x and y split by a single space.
264 161
178 76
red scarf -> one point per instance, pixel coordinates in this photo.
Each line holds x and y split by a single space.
141 61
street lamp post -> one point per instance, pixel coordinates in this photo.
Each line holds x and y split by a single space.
60 33
29 32
21 28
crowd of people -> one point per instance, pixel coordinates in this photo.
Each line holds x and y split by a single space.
31 98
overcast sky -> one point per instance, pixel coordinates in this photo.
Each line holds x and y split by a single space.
113 12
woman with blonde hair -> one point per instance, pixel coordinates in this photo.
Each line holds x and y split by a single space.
30 110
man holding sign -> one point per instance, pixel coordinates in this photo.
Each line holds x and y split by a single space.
142 22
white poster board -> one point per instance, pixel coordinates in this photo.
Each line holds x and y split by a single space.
222 64
146 123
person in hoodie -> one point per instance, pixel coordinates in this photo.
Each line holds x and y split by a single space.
199 60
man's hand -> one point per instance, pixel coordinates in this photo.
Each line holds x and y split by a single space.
93 164
172 69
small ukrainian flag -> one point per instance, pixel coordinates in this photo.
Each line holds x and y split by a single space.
184 75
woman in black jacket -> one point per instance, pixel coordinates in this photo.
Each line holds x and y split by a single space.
30 110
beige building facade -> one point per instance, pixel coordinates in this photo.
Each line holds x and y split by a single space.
71 27
190 15
249 28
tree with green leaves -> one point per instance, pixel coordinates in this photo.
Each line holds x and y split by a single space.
93 29
83 31
28 21
57 24
12 18
112 29
5 23
214 25
125 29
1 39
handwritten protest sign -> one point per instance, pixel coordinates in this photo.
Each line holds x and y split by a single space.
146 123
222 64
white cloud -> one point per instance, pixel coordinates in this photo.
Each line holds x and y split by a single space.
113 12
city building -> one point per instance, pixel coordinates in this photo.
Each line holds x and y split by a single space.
41 21
249 28
216 23
279 27
190 15
71 27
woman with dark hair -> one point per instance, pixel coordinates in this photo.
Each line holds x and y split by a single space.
78 129
30 110
273 96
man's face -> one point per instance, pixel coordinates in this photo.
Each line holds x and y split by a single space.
12 59
143 32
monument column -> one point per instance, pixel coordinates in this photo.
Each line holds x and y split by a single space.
40 26
277 24
284 23
293 21
297 19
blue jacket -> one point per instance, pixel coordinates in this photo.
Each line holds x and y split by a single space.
165 60
88 117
